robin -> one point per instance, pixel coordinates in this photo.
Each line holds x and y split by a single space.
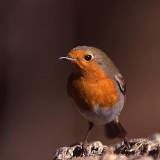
98 89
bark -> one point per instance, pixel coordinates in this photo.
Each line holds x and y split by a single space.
144 148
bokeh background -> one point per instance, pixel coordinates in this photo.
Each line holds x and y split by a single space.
36 115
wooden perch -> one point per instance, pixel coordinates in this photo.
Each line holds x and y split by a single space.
139 149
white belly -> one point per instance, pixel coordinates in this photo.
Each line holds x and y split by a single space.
103 115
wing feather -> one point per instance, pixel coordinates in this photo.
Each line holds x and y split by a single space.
121 83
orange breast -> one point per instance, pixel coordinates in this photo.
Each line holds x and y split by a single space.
93 89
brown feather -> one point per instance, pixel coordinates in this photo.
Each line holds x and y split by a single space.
115 129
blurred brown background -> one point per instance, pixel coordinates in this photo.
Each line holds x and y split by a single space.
36 114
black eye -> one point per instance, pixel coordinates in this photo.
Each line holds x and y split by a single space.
88 57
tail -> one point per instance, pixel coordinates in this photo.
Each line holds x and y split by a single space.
115 129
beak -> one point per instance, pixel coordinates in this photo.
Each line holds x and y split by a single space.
67 58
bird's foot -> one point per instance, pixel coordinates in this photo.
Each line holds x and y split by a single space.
85 148
126 142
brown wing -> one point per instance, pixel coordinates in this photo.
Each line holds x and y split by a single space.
121 83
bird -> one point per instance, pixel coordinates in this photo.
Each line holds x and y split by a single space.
98 90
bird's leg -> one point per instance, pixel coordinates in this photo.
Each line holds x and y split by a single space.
85 143
122 131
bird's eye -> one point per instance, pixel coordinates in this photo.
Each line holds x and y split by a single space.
88 57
